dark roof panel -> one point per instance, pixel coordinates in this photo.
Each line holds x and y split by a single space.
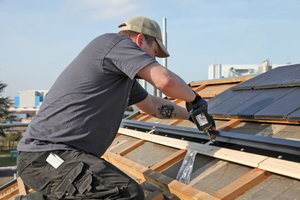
274 76
294 115
254 105
221 98
272 95
282 107
284 79
237 99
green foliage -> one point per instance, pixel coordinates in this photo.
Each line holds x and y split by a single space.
10 141
5 103
2 134
12 137
6 160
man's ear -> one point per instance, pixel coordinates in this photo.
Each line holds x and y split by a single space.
139 39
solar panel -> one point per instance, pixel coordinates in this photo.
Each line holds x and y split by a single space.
294 115
284 79
282 107
221 98
237 99
274 74
249 108
271 95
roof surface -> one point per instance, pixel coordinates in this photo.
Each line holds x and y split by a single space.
153 151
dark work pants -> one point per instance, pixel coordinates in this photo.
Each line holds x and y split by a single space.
80 176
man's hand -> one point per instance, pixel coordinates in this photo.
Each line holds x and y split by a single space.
197 100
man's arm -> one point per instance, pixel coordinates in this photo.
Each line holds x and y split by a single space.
167 82
162 108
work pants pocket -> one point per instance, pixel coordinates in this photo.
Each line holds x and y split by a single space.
66 187
35 175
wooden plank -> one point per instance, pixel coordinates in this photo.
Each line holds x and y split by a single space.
21 186
213 151
137 117
145 118
201 87
243 184
217 89
8 188
229 125
169 161
175 122
157 179
131 147
12 193
287 168
222 81
208 96
156 195
283 167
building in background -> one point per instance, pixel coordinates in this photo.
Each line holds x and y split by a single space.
27 104
218 71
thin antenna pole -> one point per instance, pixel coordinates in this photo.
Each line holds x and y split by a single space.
165 64
164 38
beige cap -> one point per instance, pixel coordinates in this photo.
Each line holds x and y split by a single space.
149 27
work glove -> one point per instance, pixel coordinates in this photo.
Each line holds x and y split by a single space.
198 100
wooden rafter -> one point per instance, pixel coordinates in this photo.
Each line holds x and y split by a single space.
131 147
157 179
13 191
201 87
139 116
145 118
221 81
21 186
229 125
167 162
243 184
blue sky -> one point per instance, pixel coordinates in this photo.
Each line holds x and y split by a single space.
38 39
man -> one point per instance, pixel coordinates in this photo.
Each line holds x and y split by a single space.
59 155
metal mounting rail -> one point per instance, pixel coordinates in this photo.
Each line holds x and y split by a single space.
226 139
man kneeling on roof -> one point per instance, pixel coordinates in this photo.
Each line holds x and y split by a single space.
60 154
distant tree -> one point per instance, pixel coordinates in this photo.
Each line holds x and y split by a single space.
4 106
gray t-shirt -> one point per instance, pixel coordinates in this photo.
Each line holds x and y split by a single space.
84 108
